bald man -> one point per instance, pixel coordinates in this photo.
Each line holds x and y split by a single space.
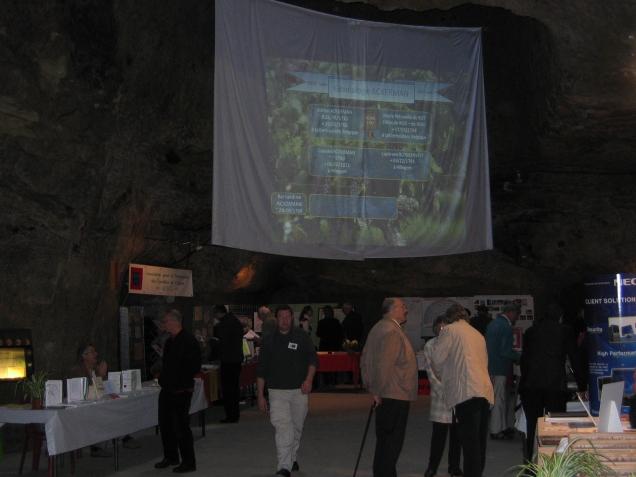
389 370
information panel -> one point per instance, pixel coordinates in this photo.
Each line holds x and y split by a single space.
610 313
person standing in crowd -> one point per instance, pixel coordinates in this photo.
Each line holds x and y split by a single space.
304 320
460 360
229 331
481 321
543 384
267 319
181 361
329 331
287 364
389 371
440 414
352 323
500 358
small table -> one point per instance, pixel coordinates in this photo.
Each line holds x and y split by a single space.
334 361
90 422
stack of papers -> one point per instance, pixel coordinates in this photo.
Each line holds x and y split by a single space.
566 416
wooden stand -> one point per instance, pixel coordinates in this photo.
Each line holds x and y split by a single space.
618 448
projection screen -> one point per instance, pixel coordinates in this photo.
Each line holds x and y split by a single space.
341 138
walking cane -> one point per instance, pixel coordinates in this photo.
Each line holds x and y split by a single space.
364 438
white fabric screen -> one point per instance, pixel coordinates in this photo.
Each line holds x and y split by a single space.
340 138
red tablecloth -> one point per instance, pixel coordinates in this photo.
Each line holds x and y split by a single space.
329 362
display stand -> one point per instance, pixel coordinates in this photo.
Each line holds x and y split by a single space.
618 448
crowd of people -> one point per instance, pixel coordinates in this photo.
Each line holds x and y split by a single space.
468 363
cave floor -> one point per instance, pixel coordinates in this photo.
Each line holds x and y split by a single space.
329 447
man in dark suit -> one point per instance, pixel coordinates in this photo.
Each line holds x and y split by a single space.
181 361
229 331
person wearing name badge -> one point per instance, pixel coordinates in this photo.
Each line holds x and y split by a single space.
287 364
181 362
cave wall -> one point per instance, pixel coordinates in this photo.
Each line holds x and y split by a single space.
106 148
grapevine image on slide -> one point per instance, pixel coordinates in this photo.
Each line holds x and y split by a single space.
365 155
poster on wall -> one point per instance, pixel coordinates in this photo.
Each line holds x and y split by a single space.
149 280
495 304
423 311
610 315
422 314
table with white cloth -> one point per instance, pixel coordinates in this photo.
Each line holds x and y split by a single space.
85 423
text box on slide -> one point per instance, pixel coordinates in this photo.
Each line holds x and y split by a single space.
370 124
336 122
402 165
344 206
288 203
336 162
369 163
401 126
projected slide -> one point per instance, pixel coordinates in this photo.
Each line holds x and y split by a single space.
355 159
341 139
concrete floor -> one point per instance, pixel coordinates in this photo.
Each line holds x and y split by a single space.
330 444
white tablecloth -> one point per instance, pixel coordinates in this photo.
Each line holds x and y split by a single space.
91 422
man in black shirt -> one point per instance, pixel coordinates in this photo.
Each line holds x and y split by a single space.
352 323
287 364
546 344
481 320
181 361
229 331
329 331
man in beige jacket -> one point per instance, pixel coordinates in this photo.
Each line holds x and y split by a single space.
389 371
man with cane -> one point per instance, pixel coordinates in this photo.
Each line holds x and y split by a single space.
389 371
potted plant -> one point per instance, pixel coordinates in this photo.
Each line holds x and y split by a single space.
33 388
569 463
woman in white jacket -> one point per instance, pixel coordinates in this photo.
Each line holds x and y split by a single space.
441 416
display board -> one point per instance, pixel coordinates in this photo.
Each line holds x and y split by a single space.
341 138
610 314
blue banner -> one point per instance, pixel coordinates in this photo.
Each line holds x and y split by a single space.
344 206
610 313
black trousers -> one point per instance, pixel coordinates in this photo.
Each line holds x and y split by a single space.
174 424
230 373
438 442
472 426
390 427
534 402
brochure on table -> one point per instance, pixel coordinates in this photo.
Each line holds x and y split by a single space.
53 392
130 380
76 389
